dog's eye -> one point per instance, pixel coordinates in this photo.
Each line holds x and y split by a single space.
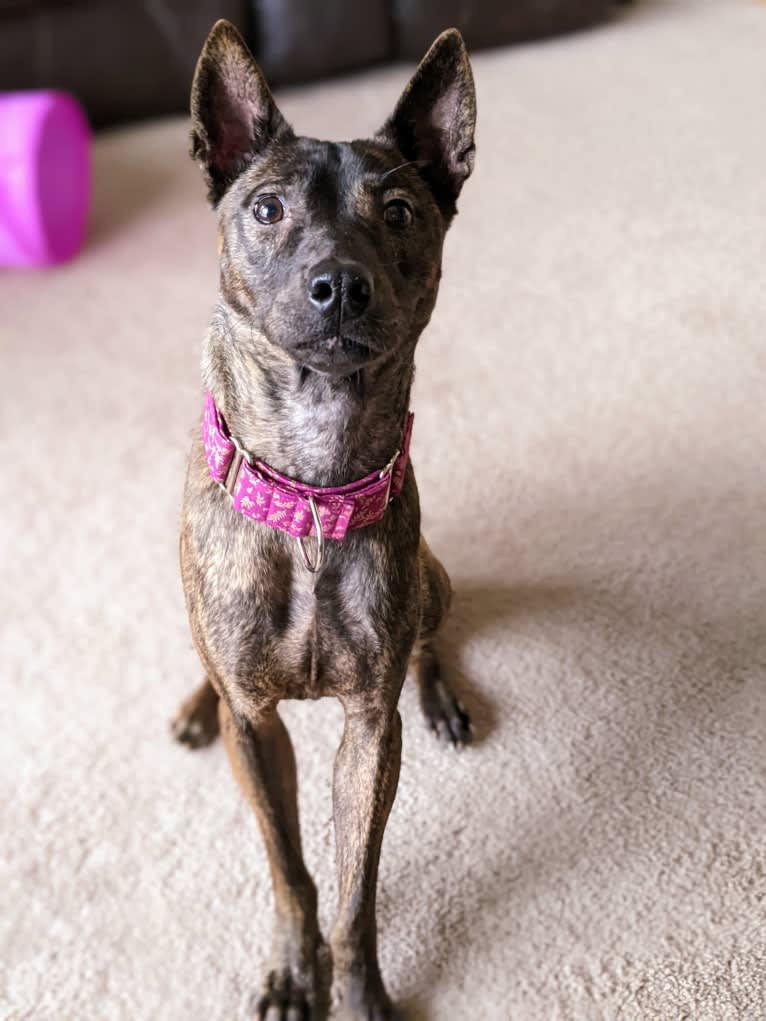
268 209
397 213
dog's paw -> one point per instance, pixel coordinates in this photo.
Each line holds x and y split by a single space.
284 999
371 1009
376 1012
361 996
445 714
196 722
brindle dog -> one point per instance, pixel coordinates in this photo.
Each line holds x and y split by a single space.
330 264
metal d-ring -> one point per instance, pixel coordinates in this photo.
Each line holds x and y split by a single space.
232 474
313 567
389 471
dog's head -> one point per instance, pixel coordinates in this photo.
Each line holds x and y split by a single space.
332 252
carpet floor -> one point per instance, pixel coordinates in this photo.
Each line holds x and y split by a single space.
597 365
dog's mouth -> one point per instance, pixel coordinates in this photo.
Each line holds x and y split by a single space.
339 355
354 350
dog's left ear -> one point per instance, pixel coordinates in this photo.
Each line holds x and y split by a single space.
234 116
433 123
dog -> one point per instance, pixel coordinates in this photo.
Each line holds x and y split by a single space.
304 570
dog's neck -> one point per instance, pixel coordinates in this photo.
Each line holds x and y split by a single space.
318 429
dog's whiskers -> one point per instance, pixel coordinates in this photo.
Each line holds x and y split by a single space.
407 163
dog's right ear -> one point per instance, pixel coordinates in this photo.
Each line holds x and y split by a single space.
234 116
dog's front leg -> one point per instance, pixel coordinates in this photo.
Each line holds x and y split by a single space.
263 762
366 776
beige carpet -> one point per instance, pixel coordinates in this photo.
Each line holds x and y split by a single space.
598 363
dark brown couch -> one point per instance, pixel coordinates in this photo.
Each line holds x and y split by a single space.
126 60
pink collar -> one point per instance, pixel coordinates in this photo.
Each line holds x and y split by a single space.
261 493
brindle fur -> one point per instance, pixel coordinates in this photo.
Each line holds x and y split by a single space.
324 404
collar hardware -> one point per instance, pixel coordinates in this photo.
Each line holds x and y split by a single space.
313 565
239 455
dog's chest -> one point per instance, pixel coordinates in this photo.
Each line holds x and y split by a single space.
333 631
272 628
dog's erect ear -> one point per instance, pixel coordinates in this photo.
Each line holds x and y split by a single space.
234 116
433 123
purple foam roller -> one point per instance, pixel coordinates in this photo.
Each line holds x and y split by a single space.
44 177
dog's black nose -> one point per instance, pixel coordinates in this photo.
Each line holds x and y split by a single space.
340 285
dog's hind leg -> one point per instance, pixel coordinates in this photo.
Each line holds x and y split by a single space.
263 762
444 713
196 722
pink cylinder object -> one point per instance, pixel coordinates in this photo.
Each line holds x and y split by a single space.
44 177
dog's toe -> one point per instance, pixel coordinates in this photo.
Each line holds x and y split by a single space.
374 1010
193 733
445 714
196 722
283 1000
388 1013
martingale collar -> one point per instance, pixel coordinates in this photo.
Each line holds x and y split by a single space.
263 494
